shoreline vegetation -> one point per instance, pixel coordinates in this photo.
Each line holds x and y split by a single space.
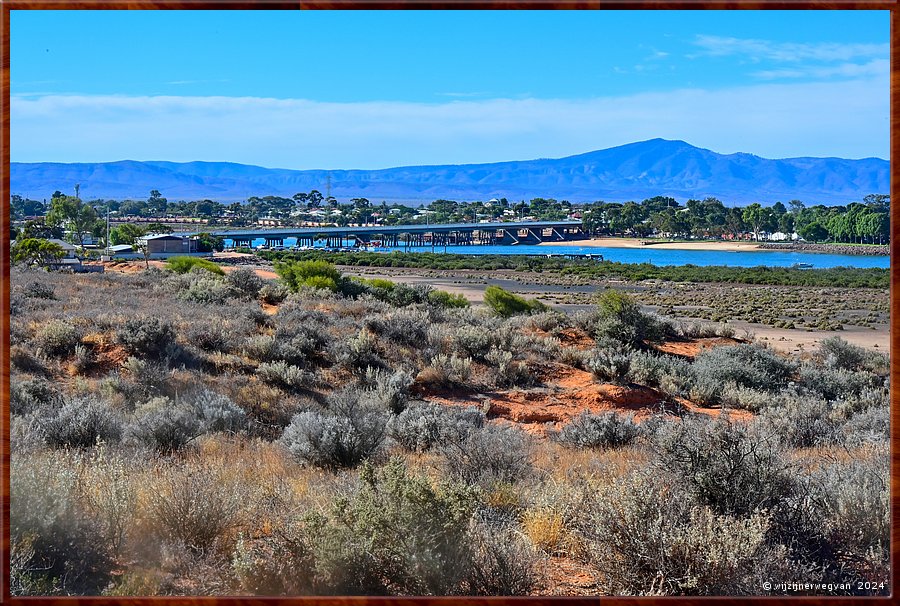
727 246
189 429
845 277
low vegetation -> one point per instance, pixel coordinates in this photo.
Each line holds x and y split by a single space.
837 277
202 434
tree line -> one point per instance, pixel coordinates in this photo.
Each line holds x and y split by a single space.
865 222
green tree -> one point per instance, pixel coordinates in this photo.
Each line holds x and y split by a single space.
77 217
813 232
156 204
35 251
126 233
758 218
209 243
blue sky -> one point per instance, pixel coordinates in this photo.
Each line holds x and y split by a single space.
371 89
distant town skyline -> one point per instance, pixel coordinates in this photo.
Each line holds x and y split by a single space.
379 89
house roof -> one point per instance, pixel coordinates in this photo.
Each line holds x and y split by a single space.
162 236
62 243
121 247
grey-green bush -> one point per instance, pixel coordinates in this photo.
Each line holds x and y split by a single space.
489 455
425 425
81 423
604 430
147 337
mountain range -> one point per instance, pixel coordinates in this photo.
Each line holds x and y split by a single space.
628 172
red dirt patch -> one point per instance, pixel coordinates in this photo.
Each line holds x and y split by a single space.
690 349
568 577
566 393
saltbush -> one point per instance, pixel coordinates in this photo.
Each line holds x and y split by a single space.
489 455
245 281
81 423
604 430
164 426
57 338
148 337
425 425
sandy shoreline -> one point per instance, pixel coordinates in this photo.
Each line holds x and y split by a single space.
636 243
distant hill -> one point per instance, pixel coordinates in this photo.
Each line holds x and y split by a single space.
628 172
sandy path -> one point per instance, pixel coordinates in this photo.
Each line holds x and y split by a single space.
636 243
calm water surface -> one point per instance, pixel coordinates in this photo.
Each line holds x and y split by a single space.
656 256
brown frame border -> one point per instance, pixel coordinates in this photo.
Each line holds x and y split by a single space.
7 5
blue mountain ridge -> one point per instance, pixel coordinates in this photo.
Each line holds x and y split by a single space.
628 172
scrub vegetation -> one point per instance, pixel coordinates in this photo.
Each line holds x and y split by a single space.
191 433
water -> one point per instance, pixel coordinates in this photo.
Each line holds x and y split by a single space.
659 256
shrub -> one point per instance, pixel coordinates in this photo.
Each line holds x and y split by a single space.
473 341
857 518
57 338
802 422
838 353
278 564
210 336
489 455
610 362
650 540
216 412
273 293
245 281
81 424
620 318
284 375
503 564
194 507
507 304
352 431
359 352
312 274
870 425
836 383
37 290
391 390
650 369
183 265
150 377
425 425
605 430
442 298
164 427
147 337
26 397
53 539
509 371
732 468
405 326
744 365
398 534
207 289
263 348
447 370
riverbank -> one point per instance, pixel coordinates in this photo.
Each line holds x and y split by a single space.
661 244
834 249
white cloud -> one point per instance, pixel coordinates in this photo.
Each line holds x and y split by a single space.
875 68
848 118
787 52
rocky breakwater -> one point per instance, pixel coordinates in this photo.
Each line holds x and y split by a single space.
835 249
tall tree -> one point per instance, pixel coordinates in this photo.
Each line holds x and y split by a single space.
73 214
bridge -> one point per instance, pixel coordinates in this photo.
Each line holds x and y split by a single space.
516 232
